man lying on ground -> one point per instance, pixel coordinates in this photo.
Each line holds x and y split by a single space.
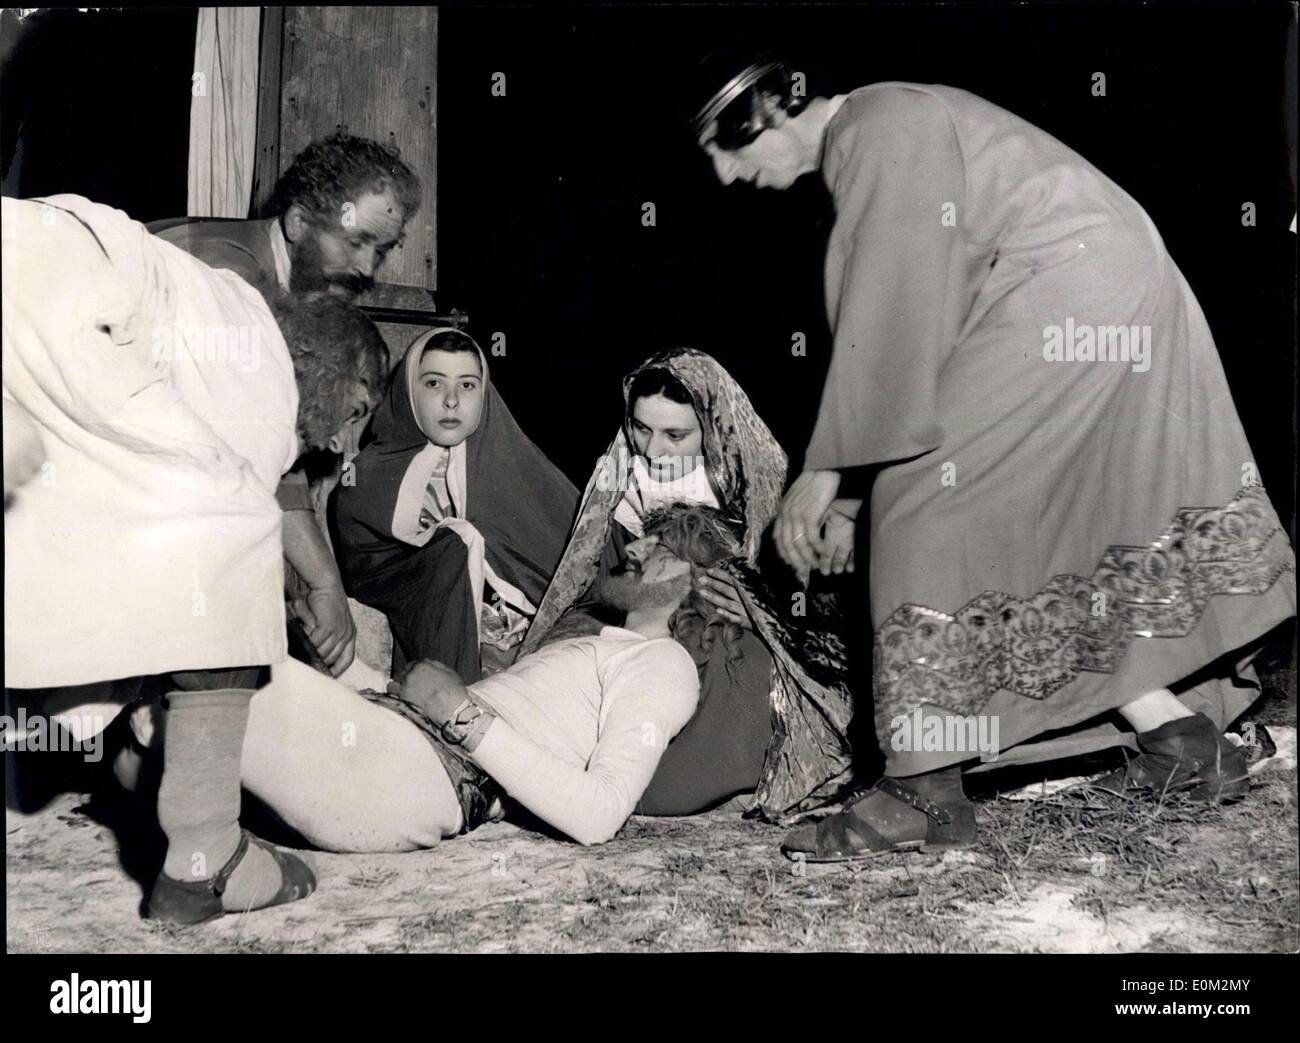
573 732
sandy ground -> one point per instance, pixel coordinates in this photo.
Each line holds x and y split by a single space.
716 882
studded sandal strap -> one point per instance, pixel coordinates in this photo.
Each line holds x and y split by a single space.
913 799
223 875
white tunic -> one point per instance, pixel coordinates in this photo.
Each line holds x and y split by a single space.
149 542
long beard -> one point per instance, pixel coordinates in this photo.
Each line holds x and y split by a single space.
629 593
306 273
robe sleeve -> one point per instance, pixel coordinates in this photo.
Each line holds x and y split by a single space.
90 336
217 253
894 277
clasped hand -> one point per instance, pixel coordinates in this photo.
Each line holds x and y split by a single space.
328 622
813 529
432 686
718 588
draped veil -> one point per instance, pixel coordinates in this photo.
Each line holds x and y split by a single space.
808 762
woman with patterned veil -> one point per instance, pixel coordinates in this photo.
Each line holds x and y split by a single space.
774 702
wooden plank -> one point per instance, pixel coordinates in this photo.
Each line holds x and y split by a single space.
371 71
266 162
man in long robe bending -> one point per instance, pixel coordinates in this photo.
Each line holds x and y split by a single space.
1068 527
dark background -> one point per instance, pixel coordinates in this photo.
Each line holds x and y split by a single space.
541 191
98 103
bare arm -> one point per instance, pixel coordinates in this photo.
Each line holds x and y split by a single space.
325 611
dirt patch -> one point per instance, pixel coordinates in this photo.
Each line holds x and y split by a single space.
1049 919
1070 873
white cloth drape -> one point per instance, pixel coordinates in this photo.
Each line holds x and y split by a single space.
223 112
167 406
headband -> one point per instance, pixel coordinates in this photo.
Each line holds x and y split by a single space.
747 77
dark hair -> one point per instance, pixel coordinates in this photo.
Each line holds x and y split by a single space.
658 381
745 117
333 346
705 537
335 170
452 340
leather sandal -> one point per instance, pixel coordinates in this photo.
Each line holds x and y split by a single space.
194 902
848 837
1187 756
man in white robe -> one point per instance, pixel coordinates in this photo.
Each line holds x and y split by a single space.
166 403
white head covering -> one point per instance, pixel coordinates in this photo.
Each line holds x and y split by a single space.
646 493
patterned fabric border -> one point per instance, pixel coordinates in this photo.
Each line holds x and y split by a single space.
1037 645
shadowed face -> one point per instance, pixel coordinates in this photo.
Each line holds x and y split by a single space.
341 252
651 577
448 395
347 440
774 159
668 435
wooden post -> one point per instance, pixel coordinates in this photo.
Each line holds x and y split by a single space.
266 163
373 72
